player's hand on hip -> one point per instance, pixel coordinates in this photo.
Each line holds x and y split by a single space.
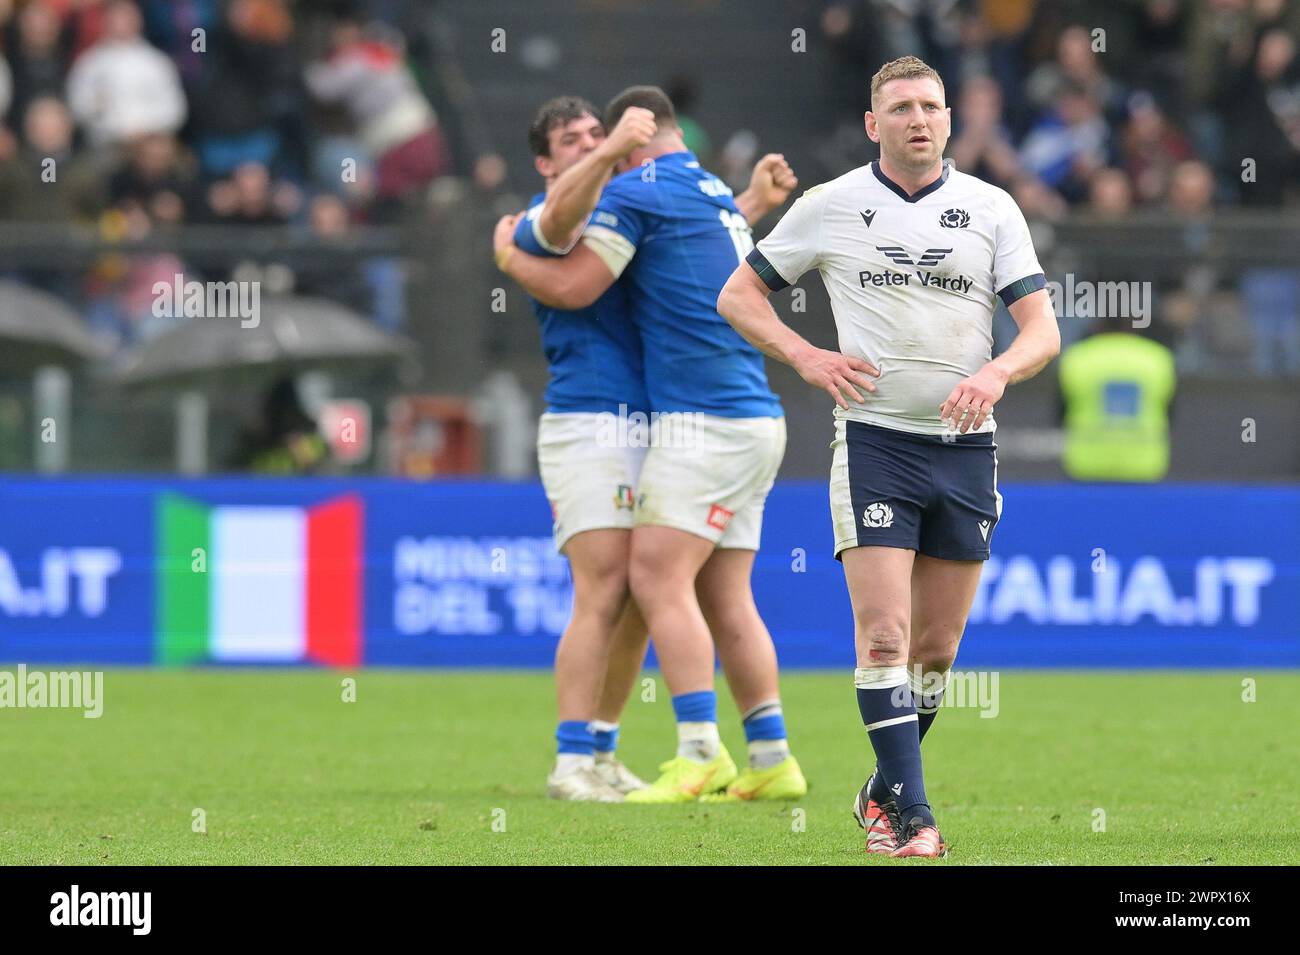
841 376
503 238
972 400
773 179
635 128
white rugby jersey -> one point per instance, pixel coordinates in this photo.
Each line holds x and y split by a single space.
912 281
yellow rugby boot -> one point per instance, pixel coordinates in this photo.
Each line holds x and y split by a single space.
685 780
782 781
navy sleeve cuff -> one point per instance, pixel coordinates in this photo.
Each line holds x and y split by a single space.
766 271
1022 287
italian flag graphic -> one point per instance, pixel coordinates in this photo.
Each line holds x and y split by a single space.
258 584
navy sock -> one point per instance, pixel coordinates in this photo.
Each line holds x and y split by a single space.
927 692
885 702
927 708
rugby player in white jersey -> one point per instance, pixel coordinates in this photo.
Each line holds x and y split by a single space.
914 256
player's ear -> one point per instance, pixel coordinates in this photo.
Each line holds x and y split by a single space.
869 121
544 165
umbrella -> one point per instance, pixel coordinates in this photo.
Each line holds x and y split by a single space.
291 333
37 328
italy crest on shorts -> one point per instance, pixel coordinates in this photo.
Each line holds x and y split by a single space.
623 499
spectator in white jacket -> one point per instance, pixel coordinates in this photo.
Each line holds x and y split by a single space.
122 87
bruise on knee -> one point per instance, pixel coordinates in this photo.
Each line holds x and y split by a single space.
885 647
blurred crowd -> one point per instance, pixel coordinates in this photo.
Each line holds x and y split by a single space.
137 116
1104 106
134 117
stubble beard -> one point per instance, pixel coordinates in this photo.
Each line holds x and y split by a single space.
904 158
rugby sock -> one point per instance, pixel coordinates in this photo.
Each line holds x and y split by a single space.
697 725
887 709
928 698
576 746
606 736
765 734
927 708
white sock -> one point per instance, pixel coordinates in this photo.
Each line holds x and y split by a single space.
927 690
766 753
698 741
566 763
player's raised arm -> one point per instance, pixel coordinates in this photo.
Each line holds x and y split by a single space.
770 184
573 196
569 282
744 303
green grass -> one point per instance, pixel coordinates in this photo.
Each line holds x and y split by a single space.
415 770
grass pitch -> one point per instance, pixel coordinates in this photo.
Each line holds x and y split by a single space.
428 767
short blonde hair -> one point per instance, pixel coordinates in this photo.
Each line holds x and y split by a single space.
903 68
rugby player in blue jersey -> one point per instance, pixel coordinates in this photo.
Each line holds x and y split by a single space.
668 233
591 441
594 357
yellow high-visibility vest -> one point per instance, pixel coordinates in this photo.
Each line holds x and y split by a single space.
1117 389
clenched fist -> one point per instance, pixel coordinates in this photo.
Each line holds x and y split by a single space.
635 128
772 180
503 238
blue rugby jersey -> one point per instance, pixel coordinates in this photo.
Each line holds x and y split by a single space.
674 232
594 353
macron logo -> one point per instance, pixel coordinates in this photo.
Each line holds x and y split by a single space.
867 216
984 529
